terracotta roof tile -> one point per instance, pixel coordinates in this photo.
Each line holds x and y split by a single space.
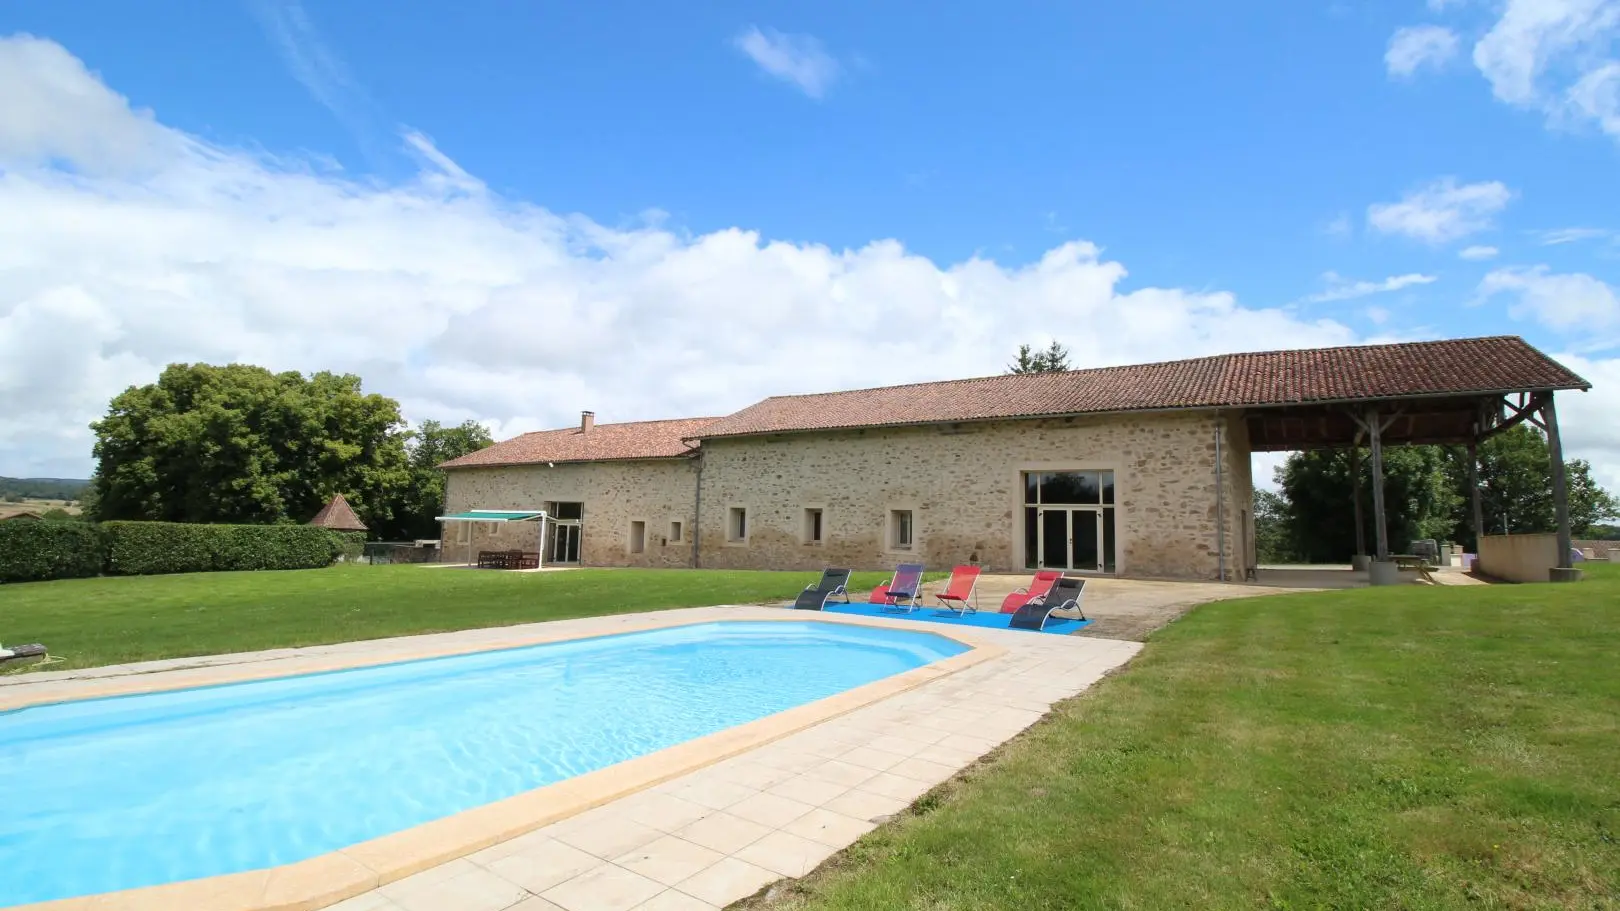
1270 378
338 515
604 442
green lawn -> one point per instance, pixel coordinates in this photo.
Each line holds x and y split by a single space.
1419 748
90 622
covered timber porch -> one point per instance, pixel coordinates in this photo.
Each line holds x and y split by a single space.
1447 419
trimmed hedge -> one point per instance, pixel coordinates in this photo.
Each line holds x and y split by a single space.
33 551
150 548
351 545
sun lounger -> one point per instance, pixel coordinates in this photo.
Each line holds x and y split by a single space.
815 595
1036 589
1065 593
900 591
958 594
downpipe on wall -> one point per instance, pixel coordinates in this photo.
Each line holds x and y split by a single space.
1220 501
697 515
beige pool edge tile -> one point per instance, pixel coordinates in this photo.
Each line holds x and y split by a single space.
329 878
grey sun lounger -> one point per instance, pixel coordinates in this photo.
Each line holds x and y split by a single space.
815 595
1065 593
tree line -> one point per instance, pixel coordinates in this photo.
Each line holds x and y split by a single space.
1427 495
239 444
16 490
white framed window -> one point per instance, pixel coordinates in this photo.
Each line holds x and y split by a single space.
638 537
675 530
737 524
812 528
902 529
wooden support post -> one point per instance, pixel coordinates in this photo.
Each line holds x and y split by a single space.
1376 430
1560 489
1355 499
1473 492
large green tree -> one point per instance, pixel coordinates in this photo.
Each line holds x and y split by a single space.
242 444
429 446
1515 481
1419 502
1273 532
1427 495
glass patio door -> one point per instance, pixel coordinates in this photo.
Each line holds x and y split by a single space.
564 544
1071 539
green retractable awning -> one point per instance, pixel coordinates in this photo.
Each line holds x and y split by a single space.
494 515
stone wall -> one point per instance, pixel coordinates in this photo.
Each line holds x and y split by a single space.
657 492
963 484
1518 558
1600 550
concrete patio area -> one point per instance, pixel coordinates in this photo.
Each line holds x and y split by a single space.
1128 609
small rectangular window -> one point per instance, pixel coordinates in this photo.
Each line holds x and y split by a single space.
737 524
900 529
812 526
638 537
674 532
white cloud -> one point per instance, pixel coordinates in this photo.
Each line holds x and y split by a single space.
1340 226
1567 302
1554 56
1378 315
1478 252
798 59
1440 6
1557 236
461 302
314 64
1441 211
1417 46
1596 95
1586 419
1340 288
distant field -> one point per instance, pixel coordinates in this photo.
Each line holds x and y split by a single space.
92 622
43 488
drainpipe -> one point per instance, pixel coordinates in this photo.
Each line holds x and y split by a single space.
1220 501
697 515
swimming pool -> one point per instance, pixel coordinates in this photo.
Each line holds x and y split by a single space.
118 793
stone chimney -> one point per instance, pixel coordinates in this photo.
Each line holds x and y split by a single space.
587 420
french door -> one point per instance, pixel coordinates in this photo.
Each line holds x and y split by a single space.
564 544
1071 539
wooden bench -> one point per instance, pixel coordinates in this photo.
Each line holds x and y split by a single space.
1414 563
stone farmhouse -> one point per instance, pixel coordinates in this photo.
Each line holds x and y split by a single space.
1139 470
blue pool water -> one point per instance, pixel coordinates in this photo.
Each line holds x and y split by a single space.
109 794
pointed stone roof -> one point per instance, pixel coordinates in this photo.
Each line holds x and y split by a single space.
338 516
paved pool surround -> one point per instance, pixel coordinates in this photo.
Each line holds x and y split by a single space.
414 868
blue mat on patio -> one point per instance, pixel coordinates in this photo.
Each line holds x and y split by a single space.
985 619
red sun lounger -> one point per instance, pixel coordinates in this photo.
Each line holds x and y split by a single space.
958 595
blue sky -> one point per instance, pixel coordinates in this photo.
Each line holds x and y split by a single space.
1247 175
